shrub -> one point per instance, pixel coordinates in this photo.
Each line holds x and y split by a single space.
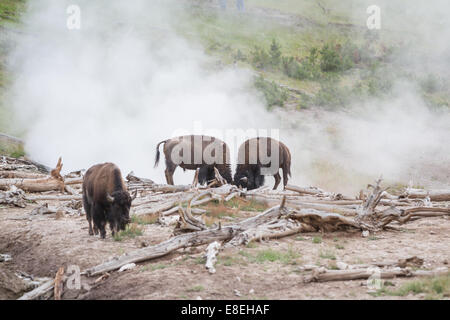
274 95
275 54
330 59
260 58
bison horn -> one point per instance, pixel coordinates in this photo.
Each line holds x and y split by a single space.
109 198
245 179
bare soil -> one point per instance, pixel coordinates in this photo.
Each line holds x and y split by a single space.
40 244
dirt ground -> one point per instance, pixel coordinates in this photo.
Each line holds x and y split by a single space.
40 244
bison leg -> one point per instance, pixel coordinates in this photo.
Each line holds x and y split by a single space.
87 209
99 220
170 169
277 180
285 179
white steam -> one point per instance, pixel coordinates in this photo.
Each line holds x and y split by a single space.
112 90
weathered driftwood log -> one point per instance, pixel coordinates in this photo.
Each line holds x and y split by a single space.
313 191
211 256
32 185
55 182
322 275
53 197
187 222
182 241
434 195
187 240
58 285
132 178
13 196
166 188
39 291
7 174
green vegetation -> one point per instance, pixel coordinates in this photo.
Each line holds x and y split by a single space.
145 219
433 288
271 255
317 240
274 95
328 255
319 50
196 289
131 231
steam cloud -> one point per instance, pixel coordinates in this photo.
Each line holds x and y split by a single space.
112 90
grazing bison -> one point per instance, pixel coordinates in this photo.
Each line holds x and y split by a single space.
106 199
257 153
195 151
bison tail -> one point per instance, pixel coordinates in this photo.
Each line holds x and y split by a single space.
158 153
287 167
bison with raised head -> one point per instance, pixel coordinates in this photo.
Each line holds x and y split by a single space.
196 151
262 156
106 199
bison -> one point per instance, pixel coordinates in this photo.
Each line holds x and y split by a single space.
196 151
250 162
106 199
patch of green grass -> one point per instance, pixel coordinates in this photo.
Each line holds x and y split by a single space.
145 219
251 245
271 255
339 246
198 288
434 288
131 231
153 267
317 240
300 238
328 255
372 238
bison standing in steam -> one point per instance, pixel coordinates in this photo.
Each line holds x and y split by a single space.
191 152
258 153
106 199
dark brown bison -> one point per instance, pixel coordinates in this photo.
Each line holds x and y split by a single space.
195 151
262 156
106 199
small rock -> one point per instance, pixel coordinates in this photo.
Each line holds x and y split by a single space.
238 279
309 267
365 234
144 244
341 265
128 266
198 298
445 262
5 257
432 232
237 293
251 291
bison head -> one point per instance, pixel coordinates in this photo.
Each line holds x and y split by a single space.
248 177
119 214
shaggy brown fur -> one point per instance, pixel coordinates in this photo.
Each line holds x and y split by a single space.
198 147
252 171
106 199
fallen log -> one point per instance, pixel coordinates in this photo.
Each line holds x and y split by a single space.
211 256
434 195
32 185
39 291
143 181
6 174
182 241
53 197
323 275
58 284
186 240
55 182
13 196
